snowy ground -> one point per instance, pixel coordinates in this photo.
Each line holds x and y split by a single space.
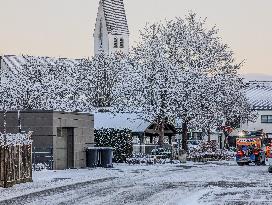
181 184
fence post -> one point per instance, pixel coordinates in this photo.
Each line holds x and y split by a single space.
19 161
34 158
30 168
5 161
15 161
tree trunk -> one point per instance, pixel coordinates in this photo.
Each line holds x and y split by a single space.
226 141
209 135
161 135
184 135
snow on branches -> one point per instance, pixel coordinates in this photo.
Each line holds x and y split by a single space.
100 77
181 69
119 139
15 139
61 84
209 151
41 83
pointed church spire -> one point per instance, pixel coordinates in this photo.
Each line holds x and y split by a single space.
115 16
111 30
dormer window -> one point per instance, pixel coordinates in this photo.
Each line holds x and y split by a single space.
115 43
121 43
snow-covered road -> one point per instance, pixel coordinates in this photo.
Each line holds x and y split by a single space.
188 184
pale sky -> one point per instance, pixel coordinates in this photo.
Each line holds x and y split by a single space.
64 28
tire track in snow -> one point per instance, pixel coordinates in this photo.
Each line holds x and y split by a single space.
28 198
118 191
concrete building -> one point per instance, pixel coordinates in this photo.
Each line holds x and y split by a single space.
111 32
67 135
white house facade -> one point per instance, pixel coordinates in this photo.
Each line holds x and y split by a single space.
259 94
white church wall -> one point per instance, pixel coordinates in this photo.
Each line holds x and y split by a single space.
105 36
111 43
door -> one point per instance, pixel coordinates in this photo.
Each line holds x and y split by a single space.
70 147
65 148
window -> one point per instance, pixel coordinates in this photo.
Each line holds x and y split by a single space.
59 132
115 44
121 43
266 118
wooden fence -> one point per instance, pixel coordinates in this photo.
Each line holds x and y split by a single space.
15 159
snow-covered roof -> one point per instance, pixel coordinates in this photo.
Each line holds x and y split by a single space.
259 94
119 121
115 16
14 62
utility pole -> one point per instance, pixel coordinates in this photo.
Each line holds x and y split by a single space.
5 162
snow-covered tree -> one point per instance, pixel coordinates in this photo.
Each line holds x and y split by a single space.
181 69
151 83
100 77
41 83
191 45
62 84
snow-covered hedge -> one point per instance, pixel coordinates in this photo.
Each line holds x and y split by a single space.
119 139
15 139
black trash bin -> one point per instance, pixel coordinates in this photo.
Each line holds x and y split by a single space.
105 157
91 157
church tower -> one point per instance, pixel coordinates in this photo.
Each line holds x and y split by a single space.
111 32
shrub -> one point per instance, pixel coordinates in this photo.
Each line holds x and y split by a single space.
119 139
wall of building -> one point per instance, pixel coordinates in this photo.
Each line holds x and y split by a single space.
267 127
45 124
125 37
83 125
105 38
39 122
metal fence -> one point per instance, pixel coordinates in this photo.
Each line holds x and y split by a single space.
42 158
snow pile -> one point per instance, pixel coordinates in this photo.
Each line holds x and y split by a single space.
40 167
141 158
209 151
15 139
